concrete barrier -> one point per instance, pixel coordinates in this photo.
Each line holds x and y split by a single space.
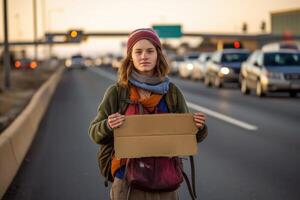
16 139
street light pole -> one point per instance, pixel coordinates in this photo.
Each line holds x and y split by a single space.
6 48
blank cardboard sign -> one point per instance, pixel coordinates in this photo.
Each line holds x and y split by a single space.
156 135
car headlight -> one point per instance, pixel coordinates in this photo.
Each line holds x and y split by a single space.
225 70
190 66
68 63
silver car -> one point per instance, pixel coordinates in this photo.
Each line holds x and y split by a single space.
271 71
76 61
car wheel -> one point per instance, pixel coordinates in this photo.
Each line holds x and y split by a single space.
218 82
259 91
244 87
207 81
293 94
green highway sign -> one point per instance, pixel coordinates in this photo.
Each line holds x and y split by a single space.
168 31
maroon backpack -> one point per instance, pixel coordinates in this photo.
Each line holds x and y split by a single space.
154 174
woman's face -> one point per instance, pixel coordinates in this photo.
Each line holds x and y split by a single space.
144 57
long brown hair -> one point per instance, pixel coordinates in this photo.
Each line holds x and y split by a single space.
161 69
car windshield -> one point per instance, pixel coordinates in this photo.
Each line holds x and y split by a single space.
77 57
234 57
282 59
193 57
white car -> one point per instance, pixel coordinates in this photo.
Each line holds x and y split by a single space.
186 67
199 69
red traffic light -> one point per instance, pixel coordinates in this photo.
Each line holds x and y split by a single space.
237 44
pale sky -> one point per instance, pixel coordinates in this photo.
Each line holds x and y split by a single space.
215 16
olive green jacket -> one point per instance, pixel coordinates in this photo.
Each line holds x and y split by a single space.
99 131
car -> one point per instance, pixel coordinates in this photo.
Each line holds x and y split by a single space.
199 69
186 67
25 63
174 64
224 67
271 71
76 61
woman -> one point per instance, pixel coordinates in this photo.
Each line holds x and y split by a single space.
144 75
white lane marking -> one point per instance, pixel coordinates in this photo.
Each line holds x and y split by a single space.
222 117
193 106
104 74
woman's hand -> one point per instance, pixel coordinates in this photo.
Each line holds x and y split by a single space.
199 119
115 120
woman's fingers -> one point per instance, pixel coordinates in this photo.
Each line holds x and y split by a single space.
199 125
116 121
117 125
199 119
113 116
199 114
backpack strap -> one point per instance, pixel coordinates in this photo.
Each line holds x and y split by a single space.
123 98
188 185
171 98
193 174
191 187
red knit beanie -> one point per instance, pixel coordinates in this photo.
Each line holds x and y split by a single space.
142 33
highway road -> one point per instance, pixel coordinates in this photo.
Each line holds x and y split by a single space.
251 153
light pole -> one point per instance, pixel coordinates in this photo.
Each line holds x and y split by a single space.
6 48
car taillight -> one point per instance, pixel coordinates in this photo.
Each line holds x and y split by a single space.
33 65
17 64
